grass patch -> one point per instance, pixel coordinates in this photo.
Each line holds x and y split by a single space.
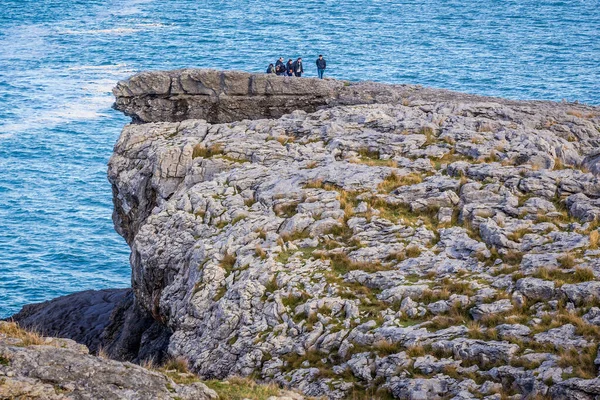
594 239
292 301
286 210
365 152
242 388
513 257
566 261
582 361
260 252
305 253
455 287
271 286
341 264
206 152
518 234
384 347
429 135
228 262
561 277
394 181
457 315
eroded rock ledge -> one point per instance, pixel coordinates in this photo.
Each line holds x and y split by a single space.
228 96
378 239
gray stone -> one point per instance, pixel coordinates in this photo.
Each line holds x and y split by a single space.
536 289
497 307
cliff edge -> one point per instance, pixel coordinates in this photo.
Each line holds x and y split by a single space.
361 239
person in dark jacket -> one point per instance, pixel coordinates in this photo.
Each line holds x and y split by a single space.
290 68
271 69
321 65
298 68
280 68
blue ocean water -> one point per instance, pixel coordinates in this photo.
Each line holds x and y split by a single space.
60 58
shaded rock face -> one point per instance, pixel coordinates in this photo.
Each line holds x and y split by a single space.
369 232
107 320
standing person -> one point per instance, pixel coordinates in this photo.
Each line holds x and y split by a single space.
298 68
321 65
280 68
290 68
271 69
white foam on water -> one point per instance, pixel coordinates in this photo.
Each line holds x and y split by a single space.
83 94
111 31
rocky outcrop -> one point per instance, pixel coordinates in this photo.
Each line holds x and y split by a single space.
372 238
219 97
33 367
46 368
228 96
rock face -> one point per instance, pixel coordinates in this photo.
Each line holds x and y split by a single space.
217 96
373 238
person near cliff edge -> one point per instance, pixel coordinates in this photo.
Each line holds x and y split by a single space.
298 68
321 65
290 68
280 68
271 69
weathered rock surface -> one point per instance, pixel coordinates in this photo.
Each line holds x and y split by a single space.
48 368
373 238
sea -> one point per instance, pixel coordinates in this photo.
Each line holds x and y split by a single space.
59 60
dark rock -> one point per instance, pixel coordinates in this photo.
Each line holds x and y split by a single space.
107 320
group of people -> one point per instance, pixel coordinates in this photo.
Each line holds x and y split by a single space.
295 68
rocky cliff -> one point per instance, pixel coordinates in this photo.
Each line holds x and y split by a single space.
361 239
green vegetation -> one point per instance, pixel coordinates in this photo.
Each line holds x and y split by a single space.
242 388
561 277
228 262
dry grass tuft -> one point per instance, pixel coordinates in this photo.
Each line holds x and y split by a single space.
260 252
178 364
415 351
567 261
384 347
394 181
27 337
236 388
102 353
594 239
283 140
582 361
228 261
206 152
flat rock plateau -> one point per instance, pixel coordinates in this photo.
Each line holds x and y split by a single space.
345 240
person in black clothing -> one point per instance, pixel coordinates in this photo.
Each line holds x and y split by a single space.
271 69
290 68
280 68
321 65
298 69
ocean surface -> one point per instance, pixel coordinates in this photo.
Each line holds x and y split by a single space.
59 60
